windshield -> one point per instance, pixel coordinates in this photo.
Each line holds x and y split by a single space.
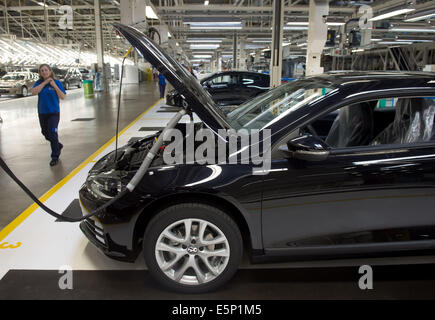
60 71
270 107
14 76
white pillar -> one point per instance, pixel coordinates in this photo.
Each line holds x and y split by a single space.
235 51
219 61
100 44
277 31
242 58
317 35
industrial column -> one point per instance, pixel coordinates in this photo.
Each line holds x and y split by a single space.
219 60
277 31
47 24
133 13
235 51
100 45
242 58
5 12
317 35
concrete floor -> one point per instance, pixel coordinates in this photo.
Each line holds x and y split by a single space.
27 153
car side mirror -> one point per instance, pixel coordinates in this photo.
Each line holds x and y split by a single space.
308 147
206 84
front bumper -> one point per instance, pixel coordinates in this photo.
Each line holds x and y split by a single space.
103 242
99 235
9 91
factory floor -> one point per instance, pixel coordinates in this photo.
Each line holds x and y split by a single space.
34 247
85 125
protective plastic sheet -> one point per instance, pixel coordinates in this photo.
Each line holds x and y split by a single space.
352 127
413 122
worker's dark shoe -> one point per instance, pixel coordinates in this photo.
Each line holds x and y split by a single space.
54 162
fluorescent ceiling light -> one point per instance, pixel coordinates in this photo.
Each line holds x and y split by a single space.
42 4
335 24
295 28
262 41
413 40
375 40
392 14
297 23
411 29
306 23
204 40
217 26
357 50
421 15
206 2
302 44
149 12
204 46
202 56
394 42
203 52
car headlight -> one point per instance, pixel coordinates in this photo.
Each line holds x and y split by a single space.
106 185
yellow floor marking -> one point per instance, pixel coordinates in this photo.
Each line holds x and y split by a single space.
26 213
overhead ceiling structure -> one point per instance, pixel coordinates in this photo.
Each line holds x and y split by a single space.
201 27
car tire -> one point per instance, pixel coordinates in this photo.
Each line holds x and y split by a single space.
205 268
24 91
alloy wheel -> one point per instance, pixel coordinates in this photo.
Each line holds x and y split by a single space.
192 251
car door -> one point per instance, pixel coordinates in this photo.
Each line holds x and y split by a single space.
223 89
360 199
250 86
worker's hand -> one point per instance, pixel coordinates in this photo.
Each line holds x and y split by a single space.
52 83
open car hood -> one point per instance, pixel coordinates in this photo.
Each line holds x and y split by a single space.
198 100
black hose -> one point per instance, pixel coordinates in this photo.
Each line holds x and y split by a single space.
119 107
4 166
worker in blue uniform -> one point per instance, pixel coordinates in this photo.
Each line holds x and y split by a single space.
162 85
49 91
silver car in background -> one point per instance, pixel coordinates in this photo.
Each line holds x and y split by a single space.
18 83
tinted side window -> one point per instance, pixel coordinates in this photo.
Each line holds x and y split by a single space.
254 80
225 79
379 122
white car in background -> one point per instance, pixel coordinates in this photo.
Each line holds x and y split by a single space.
17 83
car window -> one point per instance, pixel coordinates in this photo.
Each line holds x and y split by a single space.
252 80
225 79
380 122
14 76
274 105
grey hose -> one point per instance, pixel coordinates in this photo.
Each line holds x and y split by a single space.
153 151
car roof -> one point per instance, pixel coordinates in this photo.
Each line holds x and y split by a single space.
390 78
239 72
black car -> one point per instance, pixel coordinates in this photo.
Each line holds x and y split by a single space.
85 73
228 88
352 163
70 77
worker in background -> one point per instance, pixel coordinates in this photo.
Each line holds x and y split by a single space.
162 85
49 91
